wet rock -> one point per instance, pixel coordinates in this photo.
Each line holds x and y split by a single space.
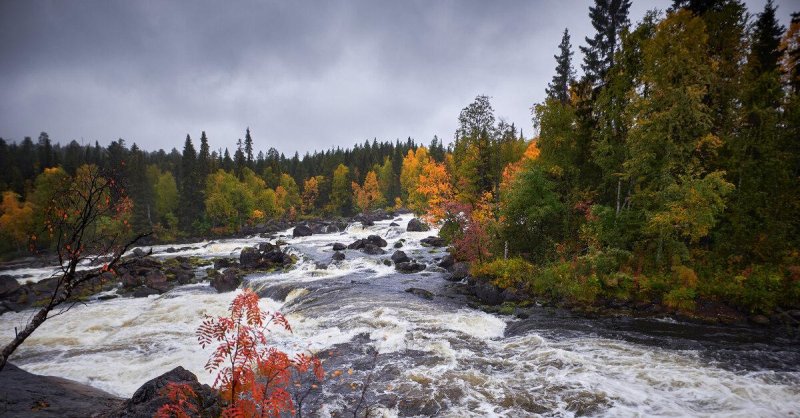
339 246
394 224
129 281
228 282
267 256
433 242
760 320
8 285
372 249
144 292
459 271
400 257
171 250
487 293
155 279
387 263
376 240
212 273
146 401
24 395
138 252
409 267
398 244
302 231
416 225
319 228
222 263
337 256
367 222
420 292
107 297
373 240
447 261
249 257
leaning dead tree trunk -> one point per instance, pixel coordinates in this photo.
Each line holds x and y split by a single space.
72 222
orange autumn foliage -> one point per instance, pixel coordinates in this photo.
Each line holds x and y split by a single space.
434 185
369 195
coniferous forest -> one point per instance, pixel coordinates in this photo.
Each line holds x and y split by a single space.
669 171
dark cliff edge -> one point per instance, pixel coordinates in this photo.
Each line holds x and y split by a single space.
24 394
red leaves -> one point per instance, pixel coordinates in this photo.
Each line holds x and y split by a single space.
253 378
179 406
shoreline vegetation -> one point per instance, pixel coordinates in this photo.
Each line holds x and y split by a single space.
669 173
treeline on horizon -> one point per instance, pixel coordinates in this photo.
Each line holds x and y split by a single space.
668 172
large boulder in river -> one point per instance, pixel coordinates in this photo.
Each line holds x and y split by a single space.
337 256
433 242
266 256
146 401
447 261
372 249
459 271
409 267
339 246
400 257
228 282
416 225
488 293
373 240
302 231
8 285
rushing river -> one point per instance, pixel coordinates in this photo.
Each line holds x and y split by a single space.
425 357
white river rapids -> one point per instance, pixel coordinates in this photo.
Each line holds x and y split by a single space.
434 357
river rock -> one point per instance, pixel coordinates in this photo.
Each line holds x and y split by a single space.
433 242
447 261
398 244
146 401
145 291
264 257
488 293
129 281
24 395
228 282
157 280
8 285
302 231
374 240
222 263
372 249
416 225
400 257
138 252
409 267
459 271
339 246
337 256
420 292
394 224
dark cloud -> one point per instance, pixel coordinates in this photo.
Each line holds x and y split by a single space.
301 75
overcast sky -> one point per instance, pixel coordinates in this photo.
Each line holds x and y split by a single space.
301 75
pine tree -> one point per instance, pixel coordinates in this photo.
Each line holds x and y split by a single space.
558 89
765 51
248 148
191 204
609 18
204 160
239 159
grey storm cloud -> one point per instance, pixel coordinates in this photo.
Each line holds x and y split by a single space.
301 75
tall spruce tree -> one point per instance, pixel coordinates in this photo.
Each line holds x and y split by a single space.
765 51
558 89
239 159
204 160
191 202
609 18
248 148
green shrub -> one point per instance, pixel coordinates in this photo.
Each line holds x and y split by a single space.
682 299
510 273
